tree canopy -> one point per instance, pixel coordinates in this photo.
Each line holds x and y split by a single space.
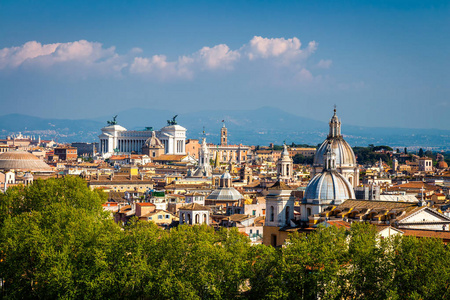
56 242
368 156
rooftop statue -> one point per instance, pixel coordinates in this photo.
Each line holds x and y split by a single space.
113 122
173 121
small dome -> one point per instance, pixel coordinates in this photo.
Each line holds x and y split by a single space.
226 194
442 165
329 185
153 141
225 175
22 161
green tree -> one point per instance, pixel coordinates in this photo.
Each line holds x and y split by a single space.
370 264
70 190
422 268
303 160
315 264
266 274
421 152
57 252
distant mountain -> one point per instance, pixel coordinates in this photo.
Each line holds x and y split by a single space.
256 127
63 130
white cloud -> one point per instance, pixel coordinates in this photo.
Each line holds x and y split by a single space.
87 58
304 75
15 56
217 57
324 63
287 50
34 52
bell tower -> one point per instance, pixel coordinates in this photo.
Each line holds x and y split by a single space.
223 136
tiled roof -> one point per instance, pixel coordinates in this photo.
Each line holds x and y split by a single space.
339 224
238 217
194 206
373 204
280 185
145 204
427 233
169 157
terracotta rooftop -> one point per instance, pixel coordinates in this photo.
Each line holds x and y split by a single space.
145 204
169 157
427 233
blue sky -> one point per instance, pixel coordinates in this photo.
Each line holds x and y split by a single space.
384 63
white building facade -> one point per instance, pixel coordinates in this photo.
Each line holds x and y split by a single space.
119 140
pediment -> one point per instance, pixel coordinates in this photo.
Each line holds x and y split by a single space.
425 215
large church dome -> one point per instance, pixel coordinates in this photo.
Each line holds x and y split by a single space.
345 157
22 161
329 185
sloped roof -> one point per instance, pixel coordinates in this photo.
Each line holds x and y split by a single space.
374 204
427 233
280 185
170 157
194 206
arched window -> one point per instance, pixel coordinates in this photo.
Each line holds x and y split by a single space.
272 214
287 215
204 219
308 211
182 218
197 219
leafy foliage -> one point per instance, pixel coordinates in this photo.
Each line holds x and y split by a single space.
303 160
56 242
368 156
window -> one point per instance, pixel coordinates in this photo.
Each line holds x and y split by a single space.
287 215
160 217
272 214
167 216
257 231
251 231
254 212
264 212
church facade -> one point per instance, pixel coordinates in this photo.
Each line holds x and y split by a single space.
225 153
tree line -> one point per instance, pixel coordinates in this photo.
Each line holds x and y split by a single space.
57 242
